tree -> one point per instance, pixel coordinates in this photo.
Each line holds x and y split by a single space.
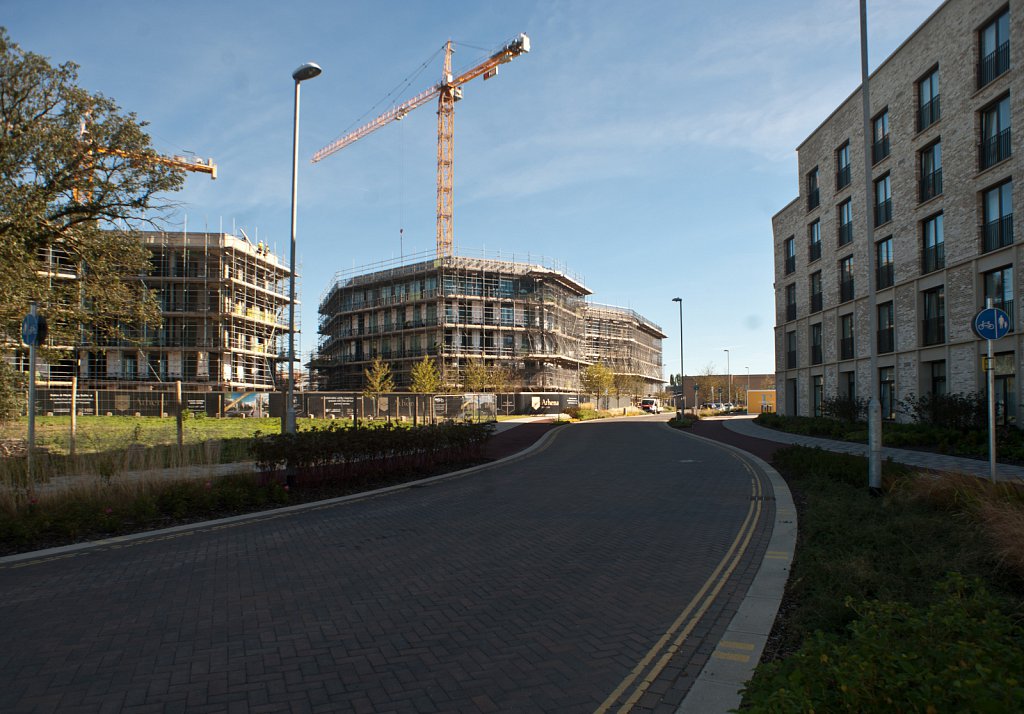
378 380
12 392
502 378
629 385
597 380
425 377
477 378
45 160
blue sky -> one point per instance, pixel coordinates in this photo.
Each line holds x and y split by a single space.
644 146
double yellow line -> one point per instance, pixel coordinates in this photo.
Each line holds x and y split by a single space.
647 670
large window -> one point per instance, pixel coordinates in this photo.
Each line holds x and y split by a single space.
997 212
928 100
846 279
933 328
994 48
813 195
791 302
791 349
846 336
933 246
845 222
930 160
817 394
995 133
815 339
883 200
789 248
883 263
887 392
843 166
998 285
886 327
937 377
816 301
880 137
814 241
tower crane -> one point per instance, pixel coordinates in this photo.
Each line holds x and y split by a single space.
448 91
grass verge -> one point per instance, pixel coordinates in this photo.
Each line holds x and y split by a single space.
908 602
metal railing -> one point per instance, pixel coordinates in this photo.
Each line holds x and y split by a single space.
931 185
883 212
880 149
884 276
994 64
928 113
933 330
933 258
845 289
846 348
843 177
886 339
997 234
994 149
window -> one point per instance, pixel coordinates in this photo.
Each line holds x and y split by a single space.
933 246
994 48
887 392
933 328
883 263
883 201
845 222
995 133
848 383
930 160
997 210
815 336
846 279
998 285
846 336
791 349
813 195
928 100
791 302
789 248
1005 391
816 302
814 241
817 393
843 166
880 134
886 328
937 377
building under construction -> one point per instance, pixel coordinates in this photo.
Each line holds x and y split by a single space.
626 342
529 318
223 304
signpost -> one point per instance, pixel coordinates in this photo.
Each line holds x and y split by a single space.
991 324
33 334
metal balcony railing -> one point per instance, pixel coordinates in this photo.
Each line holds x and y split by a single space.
884 276
933 330
933 258
816 302
880 149
846 348
843 177
883 212
886 339
994 149
928 113
845 289
931 185
997 234
994 64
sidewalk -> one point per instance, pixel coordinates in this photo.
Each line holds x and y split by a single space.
743 428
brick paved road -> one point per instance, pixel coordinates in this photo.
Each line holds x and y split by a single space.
538 585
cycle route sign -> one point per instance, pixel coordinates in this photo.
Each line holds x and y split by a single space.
991 323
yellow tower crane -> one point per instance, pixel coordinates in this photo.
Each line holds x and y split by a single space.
448 91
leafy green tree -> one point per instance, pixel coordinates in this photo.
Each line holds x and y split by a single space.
12 392
597 380
425 377
478 377
378 378
502 378
75 196
629 385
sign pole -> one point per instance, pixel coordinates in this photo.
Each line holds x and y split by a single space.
31 399
991 374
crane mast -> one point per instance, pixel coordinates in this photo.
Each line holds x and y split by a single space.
448 91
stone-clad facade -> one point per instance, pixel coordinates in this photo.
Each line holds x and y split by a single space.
947 124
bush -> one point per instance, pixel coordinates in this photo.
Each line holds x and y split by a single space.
959 654
963 412
849 410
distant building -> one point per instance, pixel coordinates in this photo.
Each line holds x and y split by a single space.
943 166
627 343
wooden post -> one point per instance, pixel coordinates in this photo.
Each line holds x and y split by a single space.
177 409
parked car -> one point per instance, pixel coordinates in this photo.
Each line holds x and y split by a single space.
651 406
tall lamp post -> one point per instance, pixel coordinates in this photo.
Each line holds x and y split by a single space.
682 368
306 71
728 372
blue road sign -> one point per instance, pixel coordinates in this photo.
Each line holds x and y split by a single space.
991 323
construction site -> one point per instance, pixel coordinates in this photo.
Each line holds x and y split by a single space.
223 306
528 318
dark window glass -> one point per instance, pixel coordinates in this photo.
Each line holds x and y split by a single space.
998 285
816 343
883 263
845 222
887 392
997 214
995 133
994 49
934 314
933 245
791 302
883 201
814 241
846 336
846 279
790 253
791 350
880 133
813 195
816 301
886 328
928 101
931 171
843 166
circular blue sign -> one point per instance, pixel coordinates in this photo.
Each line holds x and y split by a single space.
991 323
33 330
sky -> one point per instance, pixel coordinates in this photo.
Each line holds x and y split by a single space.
642 146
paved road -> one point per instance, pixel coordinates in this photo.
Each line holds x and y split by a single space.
598 572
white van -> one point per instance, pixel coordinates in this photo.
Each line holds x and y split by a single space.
651 405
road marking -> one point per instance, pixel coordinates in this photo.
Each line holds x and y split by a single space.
732 657
777 555
736 645
668 644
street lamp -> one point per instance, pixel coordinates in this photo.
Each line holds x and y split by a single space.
306 71
728 372
682 369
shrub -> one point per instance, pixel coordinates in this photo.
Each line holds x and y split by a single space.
959 654
963 412
850 410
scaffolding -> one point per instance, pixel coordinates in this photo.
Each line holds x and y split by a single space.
523 316
626 342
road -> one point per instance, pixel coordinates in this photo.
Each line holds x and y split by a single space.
594 574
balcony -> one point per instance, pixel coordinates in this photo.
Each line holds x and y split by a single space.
880 149
928 113
886 339
816 302
931 185
843 177
933 330
845 289
933 258
846 348
994 64
883 212
884 276
997 234
994 149
845 233
814 251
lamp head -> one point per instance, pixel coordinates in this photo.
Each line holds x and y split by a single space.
306 71
677 299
